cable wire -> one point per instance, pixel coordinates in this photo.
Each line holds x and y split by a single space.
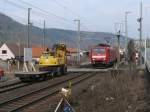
47 12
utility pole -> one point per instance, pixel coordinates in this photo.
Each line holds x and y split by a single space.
19 45
118 57
140 30
145 51
44 36
28 41
78 21
119 26
126 34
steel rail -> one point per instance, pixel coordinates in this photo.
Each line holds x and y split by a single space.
5 103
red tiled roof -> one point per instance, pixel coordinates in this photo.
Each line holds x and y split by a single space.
37 52
72 50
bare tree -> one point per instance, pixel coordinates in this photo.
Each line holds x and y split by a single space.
131 52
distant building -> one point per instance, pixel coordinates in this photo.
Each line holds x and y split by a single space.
72 51
11 51
37 52
72 56
137 43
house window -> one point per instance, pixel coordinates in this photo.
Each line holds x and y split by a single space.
4 51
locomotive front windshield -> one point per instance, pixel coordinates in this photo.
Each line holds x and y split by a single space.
45 55
99 50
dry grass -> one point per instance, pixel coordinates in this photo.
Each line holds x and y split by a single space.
115 92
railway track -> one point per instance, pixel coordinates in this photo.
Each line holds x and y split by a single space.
13 86
20 102
8 84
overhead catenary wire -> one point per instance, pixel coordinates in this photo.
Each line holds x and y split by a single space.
42 12
61 5
47 12
17 5
66 8
72 12
22 19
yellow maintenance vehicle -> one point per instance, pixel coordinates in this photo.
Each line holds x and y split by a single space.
52 62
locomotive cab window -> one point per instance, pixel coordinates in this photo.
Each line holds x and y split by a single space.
99 50
45 55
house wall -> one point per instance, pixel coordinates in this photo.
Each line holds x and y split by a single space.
6 55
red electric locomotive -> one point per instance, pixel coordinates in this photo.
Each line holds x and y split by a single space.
103 54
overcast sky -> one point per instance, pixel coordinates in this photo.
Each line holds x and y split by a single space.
95 15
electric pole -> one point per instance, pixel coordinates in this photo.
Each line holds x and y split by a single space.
140 31
141 18
44 36
78 21
126 33
28 41
119 26
118 57
145 50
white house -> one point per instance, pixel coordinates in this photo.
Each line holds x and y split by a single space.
9 51
6 53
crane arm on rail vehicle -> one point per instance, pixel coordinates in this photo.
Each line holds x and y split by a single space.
55 60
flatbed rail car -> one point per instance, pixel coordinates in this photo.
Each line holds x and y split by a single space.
103 54
51 63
